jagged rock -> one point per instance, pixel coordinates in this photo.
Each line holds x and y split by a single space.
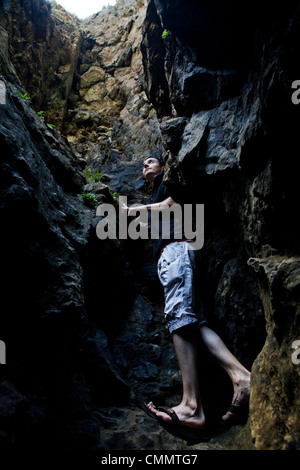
6 65
52 45
42 247
92 76
274 401
193 133
172 131
236 147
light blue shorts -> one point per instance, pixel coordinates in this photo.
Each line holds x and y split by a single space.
177 271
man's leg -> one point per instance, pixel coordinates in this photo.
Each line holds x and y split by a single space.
190 410
238 374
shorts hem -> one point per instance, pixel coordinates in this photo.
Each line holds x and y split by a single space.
177 325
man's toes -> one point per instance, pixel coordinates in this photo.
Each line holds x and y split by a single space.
152 407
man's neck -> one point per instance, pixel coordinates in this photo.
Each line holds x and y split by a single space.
152 181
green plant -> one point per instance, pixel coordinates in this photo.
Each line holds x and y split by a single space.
89 199
115 194
24 96
41 115
90 176
165 34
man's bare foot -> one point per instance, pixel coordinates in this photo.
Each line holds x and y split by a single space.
240 400
187 416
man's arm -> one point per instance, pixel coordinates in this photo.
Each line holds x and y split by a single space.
156 206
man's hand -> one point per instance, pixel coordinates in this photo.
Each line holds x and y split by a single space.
133 209
125 208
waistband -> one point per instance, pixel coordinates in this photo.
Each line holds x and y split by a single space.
169 242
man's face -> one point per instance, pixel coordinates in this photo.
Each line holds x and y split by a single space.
151 168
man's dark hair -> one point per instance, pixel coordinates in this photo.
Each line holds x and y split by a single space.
156 154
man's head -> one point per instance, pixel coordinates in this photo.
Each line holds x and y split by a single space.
152 166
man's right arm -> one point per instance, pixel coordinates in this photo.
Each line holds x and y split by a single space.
156 206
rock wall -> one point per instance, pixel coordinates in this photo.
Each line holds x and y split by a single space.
83 317
232 137
45 49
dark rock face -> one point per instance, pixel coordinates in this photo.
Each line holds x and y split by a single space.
83 318
230 148
45 329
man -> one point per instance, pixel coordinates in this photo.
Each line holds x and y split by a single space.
176 271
